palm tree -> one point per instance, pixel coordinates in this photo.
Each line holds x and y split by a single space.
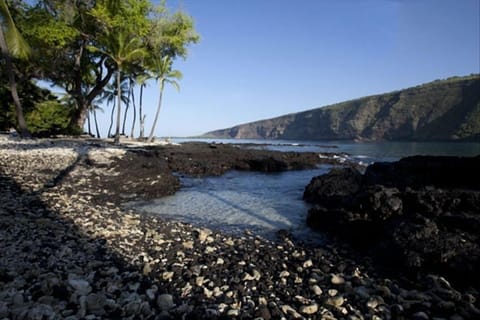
12 44
127 105
93 109
109 96
142 81
122 48
132 94
163 73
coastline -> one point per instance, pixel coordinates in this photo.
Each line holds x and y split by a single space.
69 250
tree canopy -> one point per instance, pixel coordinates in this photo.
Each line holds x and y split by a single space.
83 46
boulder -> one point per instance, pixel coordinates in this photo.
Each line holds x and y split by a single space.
333 188
420 213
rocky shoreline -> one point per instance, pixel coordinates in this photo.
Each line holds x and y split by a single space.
70 251
419 214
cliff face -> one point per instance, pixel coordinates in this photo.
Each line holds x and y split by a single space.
440 110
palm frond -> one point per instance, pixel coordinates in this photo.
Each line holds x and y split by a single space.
17 45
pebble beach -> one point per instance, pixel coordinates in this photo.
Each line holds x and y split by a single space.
70 250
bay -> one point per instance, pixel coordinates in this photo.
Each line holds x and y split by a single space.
266 203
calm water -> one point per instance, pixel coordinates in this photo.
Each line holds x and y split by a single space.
265 203
378 151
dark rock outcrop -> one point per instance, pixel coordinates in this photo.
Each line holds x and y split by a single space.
441 110
420 213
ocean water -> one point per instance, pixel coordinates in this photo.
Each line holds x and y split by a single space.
368 151
264 203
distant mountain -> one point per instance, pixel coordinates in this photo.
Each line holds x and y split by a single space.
437 111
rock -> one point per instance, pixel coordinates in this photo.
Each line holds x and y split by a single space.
336 301
420 316
40 311
151 292
332 188
167 275
147 269
96 303
362 292
309 309
405 216
373 302
263 313
332 292
81 286
132 307
307 264
288 310
202 234
199 281
4 310
316 290
165 302
188 244
336 279
233 313
210 249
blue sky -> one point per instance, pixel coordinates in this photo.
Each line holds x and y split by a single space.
259 59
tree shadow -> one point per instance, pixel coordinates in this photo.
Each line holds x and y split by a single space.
51 267
246 211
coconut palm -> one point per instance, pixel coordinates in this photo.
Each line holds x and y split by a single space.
109 96
122 48
12 44
131 99
93 109
141 79
161 69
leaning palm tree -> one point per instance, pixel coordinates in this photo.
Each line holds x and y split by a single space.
12 44
161 68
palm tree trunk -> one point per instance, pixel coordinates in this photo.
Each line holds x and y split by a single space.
141 117
111 120
134 113
119 109
88 124
96 122
126 107
162 85
22 125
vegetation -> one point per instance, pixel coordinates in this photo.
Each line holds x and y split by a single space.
12 45
93 50
442 110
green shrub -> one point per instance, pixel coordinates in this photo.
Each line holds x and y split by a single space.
49 118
